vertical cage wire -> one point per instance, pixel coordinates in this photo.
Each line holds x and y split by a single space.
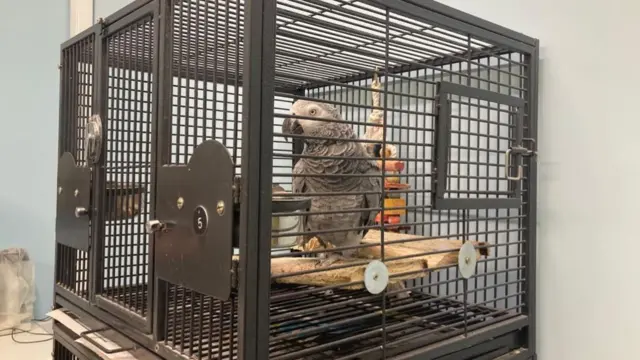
126 208
206 95
76 74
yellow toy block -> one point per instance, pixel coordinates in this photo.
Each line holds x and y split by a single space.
395 203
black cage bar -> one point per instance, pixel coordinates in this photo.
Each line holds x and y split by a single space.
205 104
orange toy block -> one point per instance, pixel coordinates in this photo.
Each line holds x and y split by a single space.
391 165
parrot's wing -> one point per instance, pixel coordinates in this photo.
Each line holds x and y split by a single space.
299 186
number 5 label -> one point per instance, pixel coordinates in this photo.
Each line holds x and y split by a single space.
200 220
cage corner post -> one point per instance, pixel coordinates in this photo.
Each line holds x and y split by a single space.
531 202
161 145
255 218
99 99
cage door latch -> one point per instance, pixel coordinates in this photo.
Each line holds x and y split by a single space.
153 226
520 151
81 211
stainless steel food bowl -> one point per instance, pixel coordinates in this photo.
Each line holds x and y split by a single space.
291 224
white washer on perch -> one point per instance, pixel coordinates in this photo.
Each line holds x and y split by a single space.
467 260
376 277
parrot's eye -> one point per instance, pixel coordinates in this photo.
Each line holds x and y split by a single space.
313 112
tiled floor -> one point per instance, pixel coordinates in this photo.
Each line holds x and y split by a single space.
25 346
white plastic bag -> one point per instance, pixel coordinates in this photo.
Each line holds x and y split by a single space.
17 288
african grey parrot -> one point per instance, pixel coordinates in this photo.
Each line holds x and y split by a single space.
337 141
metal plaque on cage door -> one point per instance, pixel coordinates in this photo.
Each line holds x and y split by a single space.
194 221
73 205
478 149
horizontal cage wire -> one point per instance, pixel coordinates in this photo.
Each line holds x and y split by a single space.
128 170
76 74
328 51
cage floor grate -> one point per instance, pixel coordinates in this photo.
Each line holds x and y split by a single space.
320 325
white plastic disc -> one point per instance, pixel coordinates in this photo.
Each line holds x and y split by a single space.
467 260
376 277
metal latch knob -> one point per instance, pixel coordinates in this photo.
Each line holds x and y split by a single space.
154 226
81 211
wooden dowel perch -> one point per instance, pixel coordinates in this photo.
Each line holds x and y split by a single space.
408 260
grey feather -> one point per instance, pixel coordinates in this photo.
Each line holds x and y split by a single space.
337 142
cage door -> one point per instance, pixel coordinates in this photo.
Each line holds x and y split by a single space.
194 221
127 69
478 149
73 204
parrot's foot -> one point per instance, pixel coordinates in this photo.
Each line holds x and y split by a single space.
330 259
399 295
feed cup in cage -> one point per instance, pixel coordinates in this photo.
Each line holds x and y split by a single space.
290 224
123 201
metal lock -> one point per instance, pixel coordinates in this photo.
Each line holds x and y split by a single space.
153 226
81 211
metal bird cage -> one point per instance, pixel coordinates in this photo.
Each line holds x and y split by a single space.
171 117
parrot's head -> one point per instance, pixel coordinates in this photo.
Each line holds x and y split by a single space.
310 118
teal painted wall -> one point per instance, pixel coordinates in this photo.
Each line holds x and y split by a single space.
30 36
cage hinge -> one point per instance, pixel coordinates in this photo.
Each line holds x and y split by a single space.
236 190
103 26
234 275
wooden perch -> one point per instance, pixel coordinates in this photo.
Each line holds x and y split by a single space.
400 258
426 246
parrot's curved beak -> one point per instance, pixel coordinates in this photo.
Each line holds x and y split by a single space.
291 126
